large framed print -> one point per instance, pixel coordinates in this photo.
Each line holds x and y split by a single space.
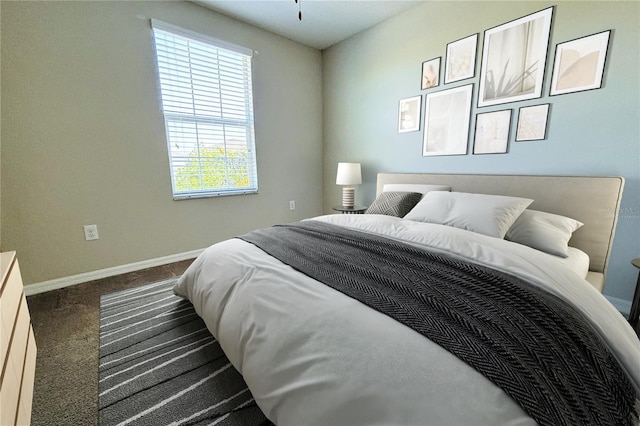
461 59
514 58
446 121
492 132
579 64
409 114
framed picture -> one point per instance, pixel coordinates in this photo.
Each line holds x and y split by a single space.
532 123
514 57
492 132
409 114
579 64
430 74
446 121
461 59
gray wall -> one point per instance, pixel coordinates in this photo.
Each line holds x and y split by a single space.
84 143
593 133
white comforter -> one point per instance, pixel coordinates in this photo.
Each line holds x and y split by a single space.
313 356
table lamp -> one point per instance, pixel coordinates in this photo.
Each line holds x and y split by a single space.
348 175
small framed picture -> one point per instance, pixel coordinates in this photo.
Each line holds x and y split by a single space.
430 73
461 59
492 132
532 123
579 64
409 114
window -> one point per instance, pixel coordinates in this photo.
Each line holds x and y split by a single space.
207 104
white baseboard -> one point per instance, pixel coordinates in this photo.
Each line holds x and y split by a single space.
44 286
622 305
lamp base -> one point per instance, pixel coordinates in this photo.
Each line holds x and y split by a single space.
348 196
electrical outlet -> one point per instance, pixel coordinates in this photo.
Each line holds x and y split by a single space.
292 205
91 232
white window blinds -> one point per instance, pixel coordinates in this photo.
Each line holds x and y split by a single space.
208 111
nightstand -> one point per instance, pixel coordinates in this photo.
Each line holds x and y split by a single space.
350 210
635 305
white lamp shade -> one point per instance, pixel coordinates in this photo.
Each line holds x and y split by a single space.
349 174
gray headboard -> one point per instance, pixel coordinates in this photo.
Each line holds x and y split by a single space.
593 200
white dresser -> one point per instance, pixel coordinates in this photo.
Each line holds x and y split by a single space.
17 347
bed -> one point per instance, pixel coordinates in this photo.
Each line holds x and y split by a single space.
428 319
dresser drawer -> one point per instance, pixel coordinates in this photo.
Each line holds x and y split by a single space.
9 303
18 344
28 378
9 395
18 352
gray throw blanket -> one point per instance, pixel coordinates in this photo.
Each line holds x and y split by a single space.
535 347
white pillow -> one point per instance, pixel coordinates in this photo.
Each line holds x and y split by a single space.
413 187
490 215
543 231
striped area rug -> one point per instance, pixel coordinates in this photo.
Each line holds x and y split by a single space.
159 364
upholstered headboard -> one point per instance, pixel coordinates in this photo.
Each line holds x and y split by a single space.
593 200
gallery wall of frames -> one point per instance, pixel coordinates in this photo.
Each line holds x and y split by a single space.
512 69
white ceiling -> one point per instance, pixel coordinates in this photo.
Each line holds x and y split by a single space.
324 22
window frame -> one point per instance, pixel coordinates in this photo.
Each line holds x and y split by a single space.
195 119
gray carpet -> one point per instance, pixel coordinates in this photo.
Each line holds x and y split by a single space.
160 365
65 323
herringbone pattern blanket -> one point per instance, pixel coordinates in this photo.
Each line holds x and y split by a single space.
535 347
